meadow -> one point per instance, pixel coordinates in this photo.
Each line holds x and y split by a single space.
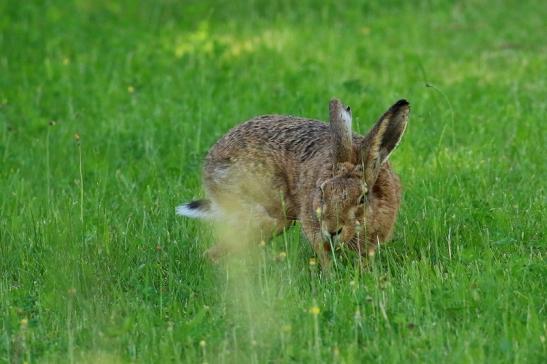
108 108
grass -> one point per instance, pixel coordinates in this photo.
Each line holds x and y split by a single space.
107 109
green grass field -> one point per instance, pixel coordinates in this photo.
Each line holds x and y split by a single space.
96 268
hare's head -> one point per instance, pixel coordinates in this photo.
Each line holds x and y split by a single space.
341 201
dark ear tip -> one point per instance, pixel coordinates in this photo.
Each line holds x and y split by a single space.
401 104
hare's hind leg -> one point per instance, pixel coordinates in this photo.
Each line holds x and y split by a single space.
237 231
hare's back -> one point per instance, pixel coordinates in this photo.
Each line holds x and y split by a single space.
263 156
272 136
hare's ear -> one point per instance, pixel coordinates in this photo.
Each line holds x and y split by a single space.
340 124
383 138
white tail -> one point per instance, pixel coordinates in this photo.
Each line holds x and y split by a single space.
199 209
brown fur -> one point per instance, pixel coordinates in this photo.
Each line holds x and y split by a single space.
279 169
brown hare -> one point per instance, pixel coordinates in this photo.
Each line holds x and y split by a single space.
273 170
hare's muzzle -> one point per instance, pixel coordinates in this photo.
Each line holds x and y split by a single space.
331 235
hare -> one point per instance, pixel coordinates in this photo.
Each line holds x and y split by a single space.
274 170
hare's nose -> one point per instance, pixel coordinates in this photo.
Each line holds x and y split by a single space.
335 234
